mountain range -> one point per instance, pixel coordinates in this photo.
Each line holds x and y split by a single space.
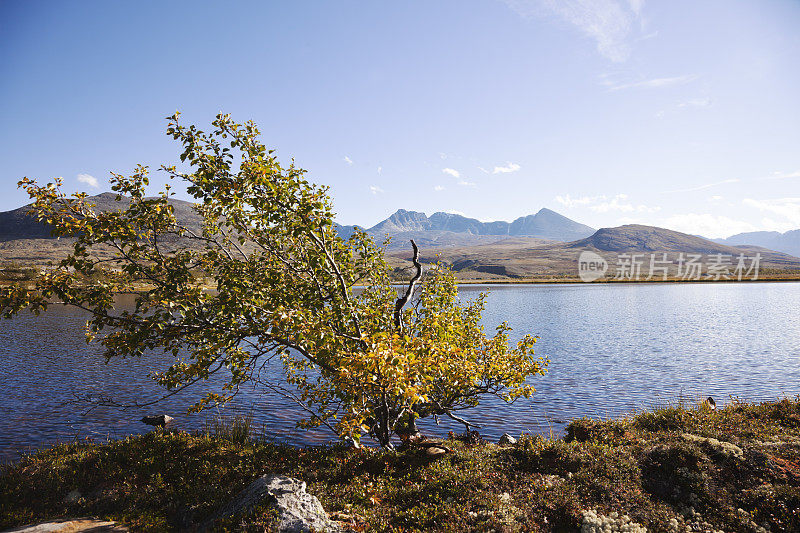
452 229
543 245
530 258
545 224
787 242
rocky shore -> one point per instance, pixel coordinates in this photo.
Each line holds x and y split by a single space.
677 469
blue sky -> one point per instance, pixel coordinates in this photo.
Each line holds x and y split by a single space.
675 113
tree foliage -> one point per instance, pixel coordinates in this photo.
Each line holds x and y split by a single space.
282 285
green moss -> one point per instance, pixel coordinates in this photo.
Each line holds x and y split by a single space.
666 419
676 472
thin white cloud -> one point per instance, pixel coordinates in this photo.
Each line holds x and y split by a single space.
636 6
510 167
706 186
604 204
451 171
438 188
568 201
347 160
770 224
374 189
706 224
454 212
716 198
380 170
720 226
484 170
630 220
612 24
782 175
462 181
787 208
694 103
653 83
618 203
89 180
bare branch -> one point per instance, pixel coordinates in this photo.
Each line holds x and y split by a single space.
398 306
459 419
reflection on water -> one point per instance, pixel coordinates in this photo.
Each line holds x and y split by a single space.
613 349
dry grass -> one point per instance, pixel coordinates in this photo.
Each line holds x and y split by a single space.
673 467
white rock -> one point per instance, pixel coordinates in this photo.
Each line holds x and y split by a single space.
507 439
725 448
298 511
613 523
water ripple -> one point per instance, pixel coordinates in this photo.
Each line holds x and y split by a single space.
614 349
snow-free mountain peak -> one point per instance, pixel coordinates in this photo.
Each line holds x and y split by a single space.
545 224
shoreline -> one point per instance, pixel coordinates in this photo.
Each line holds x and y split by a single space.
677 468
575 281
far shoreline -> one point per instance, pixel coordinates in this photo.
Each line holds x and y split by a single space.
474 282
575 281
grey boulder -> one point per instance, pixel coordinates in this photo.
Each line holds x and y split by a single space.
158 421
506 439
298 511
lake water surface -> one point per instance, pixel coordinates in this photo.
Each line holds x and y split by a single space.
614 348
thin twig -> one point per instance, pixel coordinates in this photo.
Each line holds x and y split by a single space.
398 306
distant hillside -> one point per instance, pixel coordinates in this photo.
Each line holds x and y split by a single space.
788 242
547 224
23 240
636 238
440 229
544 245
531 258
639 238
17 224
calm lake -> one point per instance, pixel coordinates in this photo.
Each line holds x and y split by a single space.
613 349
